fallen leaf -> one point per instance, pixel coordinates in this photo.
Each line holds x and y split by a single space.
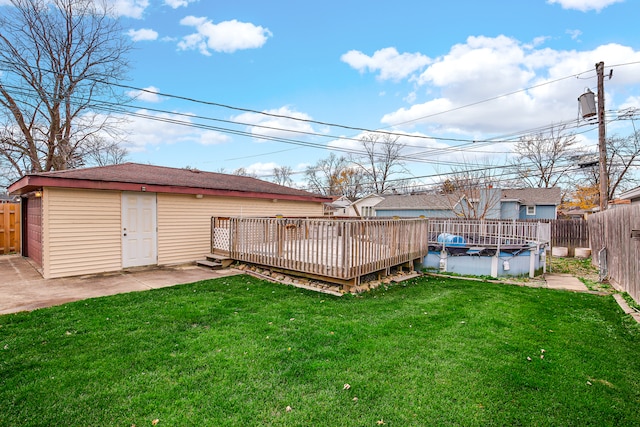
346 387
355 399
381 422
289 409
155 422
528 358
542 356
542 350
589 383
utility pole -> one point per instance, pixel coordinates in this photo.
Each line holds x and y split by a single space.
602 145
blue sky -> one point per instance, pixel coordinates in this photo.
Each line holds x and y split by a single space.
433 72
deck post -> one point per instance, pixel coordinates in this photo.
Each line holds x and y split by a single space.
533 252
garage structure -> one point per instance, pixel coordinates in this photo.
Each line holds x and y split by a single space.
103 219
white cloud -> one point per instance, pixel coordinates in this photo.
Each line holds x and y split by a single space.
148 129
632 106
212 137
143 34
174 4
148 94
390 64
129 8
226 36
575 34
274 126
262 169
584 5
468 82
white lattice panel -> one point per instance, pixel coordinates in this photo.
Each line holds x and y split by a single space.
221 239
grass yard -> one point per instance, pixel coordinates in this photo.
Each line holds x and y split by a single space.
238 351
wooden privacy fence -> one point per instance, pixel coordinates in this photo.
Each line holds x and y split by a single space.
568 233
615 246
341 251
9 228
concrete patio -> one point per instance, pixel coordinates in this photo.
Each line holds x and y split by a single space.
22 288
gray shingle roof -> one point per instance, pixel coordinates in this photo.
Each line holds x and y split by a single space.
173 177
534 196
415 201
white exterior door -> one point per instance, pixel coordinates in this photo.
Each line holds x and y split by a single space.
139 233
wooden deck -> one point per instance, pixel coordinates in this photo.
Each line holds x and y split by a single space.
335 250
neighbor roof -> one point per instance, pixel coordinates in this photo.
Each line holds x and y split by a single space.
534 196
160 179
414 201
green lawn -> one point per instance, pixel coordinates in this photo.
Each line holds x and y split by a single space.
238 351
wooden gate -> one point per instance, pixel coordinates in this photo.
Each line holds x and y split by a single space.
9 228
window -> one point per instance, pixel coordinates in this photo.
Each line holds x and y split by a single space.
367 211
531 210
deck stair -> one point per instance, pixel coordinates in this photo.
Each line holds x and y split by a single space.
215 261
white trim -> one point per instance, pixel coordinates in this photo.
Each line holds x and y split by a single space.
533 210
139 229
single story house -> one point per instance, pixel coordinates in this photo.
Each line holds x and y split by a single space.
103 219
339 207
520 204
415 205
364 206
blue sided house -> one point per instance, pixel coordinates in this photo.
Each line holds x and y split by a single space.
491 203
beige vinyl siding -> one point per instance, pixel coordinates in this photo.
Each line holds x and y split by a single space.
81 233
184 222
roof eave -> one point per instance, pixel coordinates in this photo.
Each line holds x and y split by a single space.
31 183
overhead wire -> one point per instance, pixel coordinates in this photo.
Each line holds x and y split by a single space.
414 156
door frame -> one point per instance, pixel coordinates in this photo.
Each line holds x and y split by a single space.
124 225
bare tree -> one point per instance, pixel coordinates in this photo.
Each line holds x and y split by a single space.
327 175
241 171
102 152
543 160
282 175
381 160
470 192
622 158
59 58
351 182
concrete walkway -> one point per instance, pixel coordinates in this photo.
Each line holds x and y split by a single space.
22 288
566 282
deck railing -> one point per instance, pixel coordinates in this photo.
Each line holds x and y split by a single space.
340 249
489 233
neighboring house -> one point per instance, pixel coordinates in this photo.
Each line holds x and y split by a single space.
103 219
632 195
415 205
576 213
530 203
338 207
365 206
527 203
